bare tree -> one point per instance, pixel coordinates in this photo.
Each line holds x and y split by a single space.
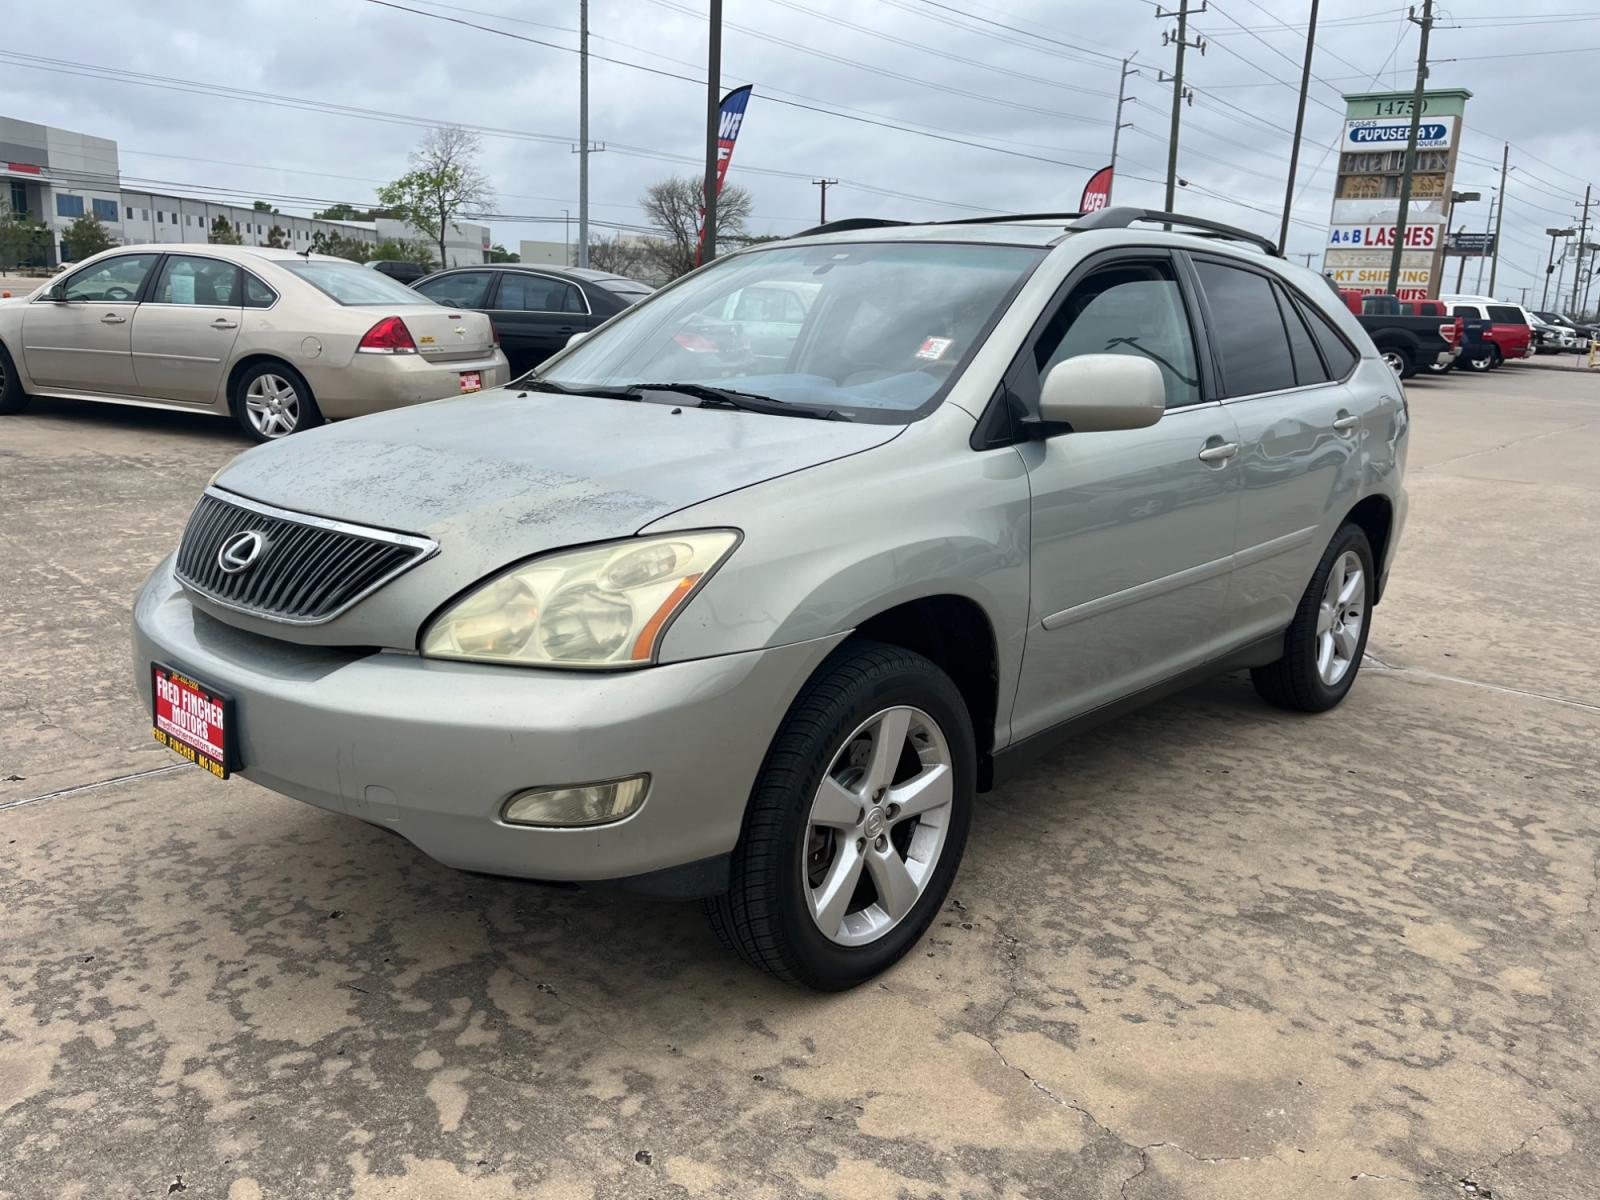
618 254
673 206
444 181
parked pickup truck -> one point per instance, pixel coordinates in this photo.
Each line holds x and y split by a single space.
1474 350
1407 344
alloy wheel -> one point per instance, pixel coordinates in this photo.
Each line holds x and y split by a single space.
273 405
1340 618
1395 361
877 826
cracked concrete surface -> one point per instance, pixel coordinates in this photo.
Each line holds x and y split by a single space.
1210 951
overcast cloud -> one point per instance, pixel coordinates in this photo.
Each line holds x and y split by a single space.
1051 90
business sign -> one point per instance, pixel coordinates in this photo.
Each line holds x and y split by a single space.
1433 133
1468 244
1417 237
1384 212
1097 192
1409 259
730 120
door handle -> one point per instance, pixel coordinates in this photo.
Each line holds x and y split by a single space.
1219 453
224 323
1345 422
113 319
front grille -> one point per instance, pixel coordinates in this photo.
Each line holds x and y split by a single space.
307 570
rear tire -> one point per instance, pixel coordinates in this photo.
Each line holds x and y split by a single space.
1323 645
1399 360
12 398
272 400
806 903
1483 363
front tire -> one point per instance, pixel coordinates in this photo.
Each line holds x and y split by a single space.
856 824
271 400
12 398
1324 643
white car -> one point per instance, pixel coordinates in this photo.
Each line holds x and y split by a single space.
278 340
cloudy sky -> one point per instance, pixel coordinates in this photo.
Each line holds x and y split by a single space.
934 109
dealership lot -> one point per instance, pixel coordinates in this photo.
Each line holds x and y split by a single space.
1211 950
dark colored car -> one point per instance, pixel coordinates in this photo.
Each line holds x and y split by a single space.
535 309
403 272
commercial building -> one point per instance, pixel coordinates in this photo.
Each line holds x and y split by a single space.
56 176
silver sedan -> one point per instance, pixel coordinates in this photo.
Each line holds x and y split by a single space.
279 340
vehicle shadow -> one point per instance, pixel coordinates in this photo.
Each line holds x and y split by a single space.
156 422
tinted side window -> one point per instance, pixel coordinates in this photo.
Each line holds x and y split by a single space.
1469 311
1246 330
1132 308
466 290
537 293
1308 368
256 293
1504 314
1336 352
203 281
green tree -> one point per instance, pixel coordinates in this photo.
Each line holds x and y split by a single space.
499 254
402 250
277 238
86 236
263 206
23 241
349 212
222 232
673 206
444 182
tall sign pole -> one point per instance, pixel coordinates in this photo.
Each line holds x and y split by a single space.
1426 23
1299 125
1494 267
1117 126
713 122
583 133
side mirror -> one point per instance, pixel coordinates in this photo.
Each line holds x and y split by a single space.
1100 393
577 337
58 293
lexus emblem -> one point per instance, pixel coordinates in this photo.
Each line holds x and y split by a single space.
240 552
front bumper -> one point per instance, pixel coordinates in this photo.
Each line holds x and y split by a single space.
377 382
432 749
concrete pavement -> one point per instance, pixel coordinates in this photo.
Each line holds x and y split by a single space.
1212 950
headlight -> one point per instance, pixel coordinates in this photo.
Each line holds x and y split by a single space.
602 606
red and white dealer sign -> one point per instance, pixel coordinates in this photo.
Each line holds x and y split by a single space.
190 719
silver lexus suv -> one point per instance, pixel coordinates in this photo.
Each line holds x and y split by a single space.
747 593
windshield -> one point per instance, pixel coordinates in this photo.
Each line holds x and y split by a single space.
872 330
350 284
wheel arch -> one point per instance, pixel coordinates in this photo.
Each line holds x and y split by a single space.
956 634
254 359
1375 516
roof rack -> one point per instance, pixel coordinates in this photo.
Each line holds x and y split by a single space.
846 224
1121 218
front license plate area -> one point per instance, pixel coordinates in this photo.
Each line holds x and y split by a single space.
194 721
471 381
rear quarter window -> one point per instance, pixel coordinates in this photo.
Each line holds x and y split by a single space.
1503 314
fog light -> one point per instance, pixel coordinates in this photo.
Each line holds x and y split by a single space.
585 804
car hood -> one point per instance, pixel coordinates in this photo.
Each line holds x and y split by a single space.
501 476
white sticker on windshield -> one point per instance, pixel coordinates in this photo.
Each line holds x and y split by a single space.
933 348
182 289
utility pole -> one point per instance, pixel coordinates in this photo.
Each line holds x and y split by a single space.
713 120
583 133
1180 94
1299 124
1426 24
824 184
1499 216
1524 297
1308 258
1583 233
1118 125
1550 267
1462 269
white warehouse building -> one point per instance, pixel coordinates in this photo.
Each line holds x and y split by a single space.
56 176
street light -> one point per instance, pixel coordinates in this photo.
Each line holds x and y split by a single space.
1550 266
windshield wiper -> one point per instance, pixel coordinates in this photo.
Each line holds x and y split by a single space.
715 397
